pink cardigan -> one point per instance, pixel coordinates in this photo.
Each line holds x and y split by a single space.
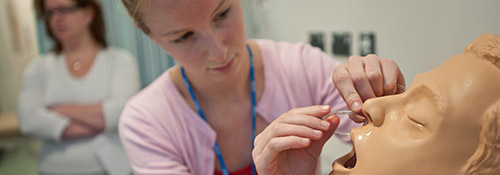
161 134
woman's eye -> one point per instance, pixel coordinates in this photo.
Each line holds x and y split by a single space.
183 37
223 14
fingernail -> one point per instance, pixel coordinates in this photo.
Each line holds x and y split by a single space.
324 107
316 132
325 124
356 106
360 118
305 140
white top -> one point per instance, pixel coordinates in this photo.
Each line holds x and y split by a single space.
111 80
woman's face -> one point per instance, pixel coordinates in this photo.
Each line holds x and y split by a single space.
67 21
432 128
207 37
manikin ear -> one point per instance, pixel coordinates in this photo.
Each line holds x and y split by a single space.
149 34
486 158
491 122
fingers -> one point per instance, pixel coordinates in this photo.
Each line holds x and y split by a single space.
345 86
318 144
303 122
401 82
357 118
362 78
279 144
374 74
266 158
317 111
394 82
356 68
268 153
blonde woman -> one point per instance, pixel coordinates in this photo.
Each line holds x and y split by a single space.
201 116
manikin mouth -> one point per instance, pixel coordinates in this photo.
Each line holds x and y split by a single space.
345 164
351 163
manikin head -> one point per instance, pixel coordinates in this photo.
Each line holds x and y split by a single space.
447 122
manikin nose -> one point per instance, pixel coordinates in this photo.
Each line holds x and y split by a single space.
374 109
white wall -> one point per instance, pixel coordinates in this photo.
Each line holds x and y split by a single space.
18 46
418 35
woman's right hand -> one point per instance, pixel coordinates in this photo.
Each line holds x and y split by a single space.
293 142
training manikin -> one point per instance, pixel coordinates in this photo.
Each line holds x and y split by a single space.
447 122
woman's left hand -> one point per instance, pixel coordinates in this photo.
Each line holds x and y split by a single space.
366 77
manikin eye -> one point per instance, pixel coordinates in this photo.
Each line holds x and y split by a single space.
420 124
417 129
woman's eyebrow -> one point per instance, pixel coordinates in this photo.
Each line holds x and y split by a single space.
217 8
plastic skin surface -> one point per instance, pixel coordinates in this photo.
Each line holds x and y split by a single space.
438 124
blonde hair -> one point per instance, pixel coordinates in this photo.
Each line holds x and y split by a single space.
134 10
486 158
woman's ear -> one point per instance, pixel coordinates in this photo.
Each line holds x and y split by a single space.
89 12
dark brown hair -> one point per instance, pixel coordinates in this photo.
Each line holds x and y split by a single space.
97 28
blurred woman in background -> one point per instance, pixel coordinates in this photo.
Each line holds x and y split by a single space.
72 97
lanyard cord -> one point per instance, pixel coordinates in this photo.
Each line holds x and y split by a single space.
254 103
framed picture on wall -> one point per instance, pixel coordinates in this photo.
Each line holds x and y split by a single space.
317 39
341 43
367 43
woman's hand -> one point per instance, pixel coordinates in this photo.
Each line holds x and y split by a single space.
90 115
366 77
293 142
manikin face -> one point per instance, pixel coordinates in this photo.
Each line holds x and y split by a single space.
206 37
67 21
432 128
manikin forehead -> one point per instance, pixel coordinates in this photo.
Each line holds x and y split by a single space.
469 82
163 16
470 85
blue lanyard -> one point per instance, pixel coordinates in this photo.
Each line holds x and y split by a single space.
200 112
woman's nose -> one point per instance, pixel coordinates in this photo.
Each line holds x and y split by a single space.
217 50
374 110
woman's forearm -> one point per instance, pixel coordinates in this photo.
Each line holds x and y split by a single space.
77 130
90 115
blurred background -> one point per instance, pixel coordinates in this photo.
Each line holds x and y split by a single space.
418 35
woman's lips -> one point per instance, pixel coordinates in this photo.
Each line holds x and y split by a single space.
225 67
